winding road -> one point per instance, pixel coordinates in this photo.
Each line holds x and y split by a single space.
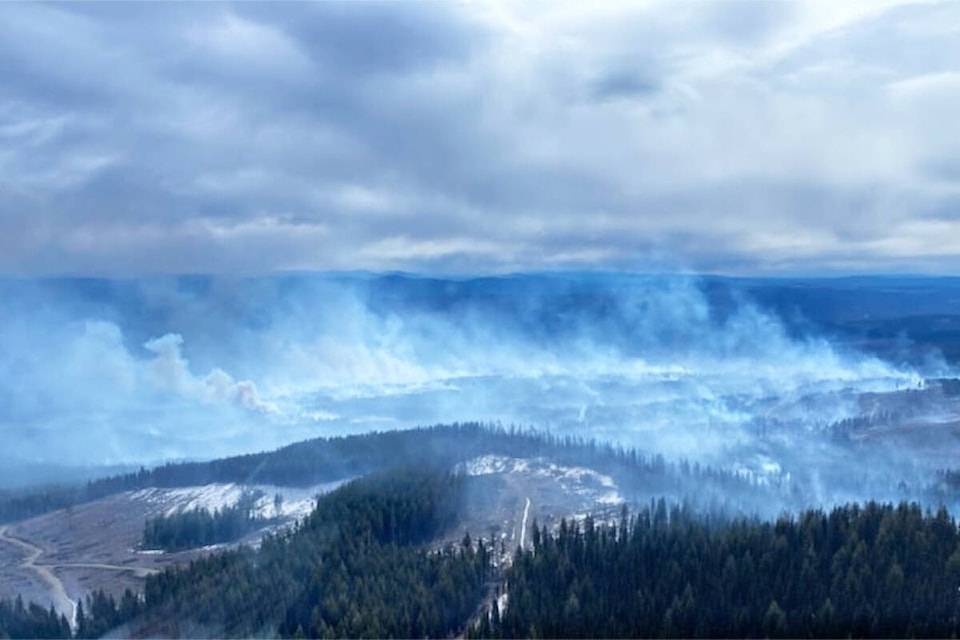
61 601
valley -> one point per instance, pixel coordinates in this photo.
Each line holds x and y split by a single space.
652 401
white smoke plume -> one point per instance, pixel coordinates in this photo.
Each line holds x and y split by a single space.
170 371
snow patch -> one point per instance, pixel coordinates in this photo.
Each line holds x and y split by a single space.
294 502
582 481
490 464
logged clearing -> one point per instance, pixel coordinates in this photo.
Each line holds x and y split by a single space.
59 557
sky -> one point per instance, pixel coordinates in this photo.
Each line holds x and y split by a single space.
254 138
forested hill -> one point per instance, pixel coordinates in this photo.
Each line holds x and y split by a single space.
358 566
300 464
361 565
329 459
856 571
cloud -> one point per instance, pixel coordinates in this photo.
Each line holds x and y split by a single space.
233 138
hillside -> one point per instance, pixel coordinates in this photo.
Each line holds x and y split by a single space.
508 480
360 499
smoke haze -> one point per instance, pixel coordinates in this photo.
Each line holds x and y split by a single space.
108 372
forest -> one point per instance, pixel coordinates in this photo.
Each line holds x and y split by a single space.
366 563
359 565
362 565
306 463
368 560
200 527
857 571
19 620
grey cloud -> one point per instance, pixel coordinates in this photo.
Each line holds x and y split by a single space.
744 22
248 138
376 38
943 169
623 84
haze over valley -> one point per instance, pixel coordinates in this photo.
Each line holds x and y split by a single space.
486 319
141 372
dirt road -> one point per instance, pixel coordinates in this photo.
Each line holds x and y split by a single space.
140 572
61 601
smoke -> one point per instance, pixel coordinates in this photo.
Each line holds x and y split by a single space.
107 372
170 371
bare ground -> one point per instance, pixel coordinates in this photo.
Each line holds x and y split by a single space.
59 557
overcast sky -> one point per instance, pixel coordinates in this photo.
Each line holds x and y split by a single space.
250 138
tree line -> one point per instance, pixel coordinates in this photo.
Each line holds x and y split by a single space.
319 460
856 571
19 620
199 527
